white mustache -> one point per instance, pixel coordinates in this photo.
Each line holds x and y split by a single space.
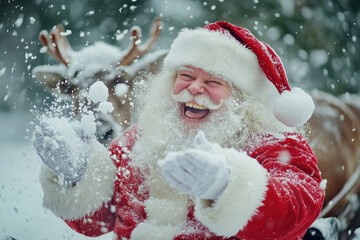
185 96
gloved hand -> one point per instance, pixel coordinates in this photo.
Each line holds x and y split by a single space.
63 147
200 172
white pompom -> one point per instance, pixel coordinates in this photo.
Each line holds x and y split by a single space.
294 108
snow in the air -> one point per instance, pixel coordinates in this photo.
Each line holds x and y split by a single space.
121 89
98 92
22 215
323 184
106 107
317 42
88 124
318 58
2 71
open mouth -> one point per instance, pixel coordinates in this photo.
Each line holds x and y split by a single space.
193 111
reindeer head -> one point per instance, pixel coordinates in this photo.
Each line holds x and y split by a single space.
116 68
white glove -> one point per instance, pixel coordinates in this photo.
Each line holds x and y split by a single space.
63 147
201 172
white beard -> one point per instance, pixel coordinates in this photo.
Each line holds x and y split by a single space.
163 130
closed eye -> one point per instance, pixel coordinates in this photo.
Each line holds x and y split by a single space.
186 77
214 83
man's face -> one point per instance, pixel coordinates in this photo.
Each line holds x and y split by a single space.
203 93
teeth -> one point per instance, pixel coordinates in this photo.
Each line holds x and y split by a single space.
194 105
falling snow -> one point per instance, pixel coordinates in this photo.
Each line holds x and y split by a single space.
2 71
317 41
98 92
121 89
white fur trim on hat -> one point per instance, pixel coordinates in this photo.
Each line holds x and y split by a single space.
239 202
218 54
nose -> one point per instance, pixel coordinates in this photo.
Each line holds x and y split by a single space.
196 87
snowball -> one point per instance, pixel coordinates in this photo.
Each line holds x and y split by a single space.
106 107
121 89
64 132
98 92
88 124
61 125
294 108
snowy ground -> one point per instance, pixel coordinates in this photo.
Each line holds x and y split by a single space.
21 213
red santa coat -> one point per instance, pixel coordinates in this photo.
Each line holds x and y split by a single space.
290 201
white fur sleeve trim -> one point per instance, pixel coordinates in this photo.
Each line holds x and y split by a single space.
239 202
94 188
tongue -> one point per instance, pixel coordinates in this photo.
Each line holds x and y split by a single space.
196 114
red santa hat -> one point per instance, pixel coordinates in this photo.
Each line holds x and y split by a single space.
245 62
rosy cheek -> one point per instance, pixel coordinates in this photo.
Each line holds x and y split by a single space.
179 85
217 95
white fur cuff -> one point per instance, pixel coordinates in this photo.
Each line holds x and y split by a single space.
94 188
239 202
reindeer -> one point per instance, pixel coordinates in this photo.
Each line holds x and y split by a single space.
117 69
335 138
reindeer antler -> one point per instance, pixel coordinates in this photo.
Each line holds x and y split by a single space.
57 44
136 50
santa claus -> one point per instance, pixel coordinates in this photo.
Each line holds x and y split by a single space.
217 151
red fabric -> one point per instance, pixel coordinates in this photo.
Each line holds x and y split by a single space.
269 62
102 221
293 200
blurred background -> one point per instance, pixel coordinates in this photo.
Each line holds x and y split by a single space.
316 40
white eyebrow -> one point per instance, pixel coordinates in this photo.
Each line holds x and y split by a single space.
217 75
183 68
